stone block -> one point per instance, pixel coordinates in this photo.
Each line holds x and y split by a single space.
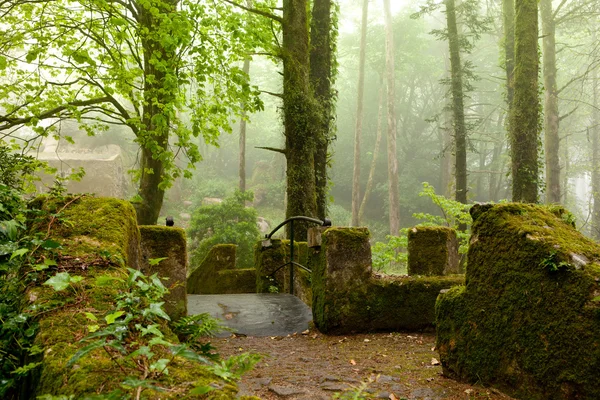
170 243
432 250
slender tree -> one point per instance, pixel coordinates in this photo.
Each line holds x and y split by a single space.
524 125
393 190
595 138
508 18
359 116
458 108
551 115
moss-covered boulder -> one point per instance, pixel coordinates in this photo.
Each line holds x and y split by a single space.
168 243
432 250
528 319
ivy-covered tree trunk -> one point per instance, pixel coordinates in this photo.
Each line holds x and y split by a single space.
524 123
595 133
159 88
321 58
551 116
458 110
359 116
393 191
299 113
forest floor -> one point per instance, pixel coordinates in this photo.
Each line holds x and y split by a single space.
381 366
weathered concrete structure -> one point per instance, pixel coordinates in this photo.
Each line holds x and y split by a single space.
528 319
104 171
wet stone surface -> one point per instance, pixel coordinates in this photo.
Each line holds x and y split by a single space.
254 314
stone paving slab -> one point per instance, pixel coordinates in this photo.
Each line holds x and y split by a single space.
254 314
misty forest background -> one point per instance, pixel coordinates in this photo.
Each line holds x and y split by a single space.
417 106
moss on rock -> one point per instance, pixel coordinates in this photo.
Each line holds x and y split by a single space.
220 257
528 319
432 250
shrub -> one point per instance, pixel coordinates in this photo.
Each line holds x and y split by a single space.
230 222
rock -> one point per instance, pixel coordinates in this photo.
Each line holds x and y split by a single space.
263 225
334 386
187 203
285 391
185 216
211 201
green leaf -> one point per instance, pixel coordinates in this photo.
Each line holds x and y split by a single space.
3 63
156 261
84 350
76 279
50 244
90 316
105 280
93 328
160 366
200 390
59 282
10 229
19 253
156 309
596 299
111 318
142 351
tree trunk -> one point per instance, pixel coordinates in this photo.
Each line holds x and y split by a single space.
551 117
394 202
508 16
595 133
458 109
154 136
369 187
299 115
359 117
525 109
321 56
243 123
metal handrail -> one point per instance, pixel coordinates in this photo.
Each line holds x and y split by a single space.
292 263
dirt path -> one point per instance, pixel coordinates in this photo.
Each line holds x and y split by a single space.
315 366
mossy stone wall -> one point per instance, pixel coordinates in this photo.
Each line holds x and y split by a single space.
99 236
432 250
267 259
348 298
164 241
217 274
528 319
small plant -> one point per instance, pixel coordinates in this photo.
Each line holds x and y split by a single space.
553 263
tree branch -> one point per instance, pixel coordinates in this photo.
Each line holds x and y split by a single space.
280 95
282 151
256 11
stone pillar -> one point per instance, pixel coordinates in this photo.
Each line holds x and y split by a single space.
432 250
162 241
268 256
341 270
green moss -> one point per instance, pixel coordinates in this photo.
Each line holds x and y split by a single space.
432 250
91 227
233 281
525 321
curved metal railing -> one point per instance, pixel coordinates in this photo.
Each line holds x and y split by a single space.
291 262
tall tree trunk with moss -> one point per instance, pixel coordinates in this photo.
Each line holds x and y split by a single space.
359 116
394 201
458 108
321 78
299 113
158 95
595 133
524 123
551 117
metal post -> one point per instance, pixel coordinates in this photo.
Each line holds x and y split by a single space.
292 257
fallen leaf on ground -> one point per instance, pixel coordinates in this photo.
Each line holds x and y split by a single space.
434 362
352 362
